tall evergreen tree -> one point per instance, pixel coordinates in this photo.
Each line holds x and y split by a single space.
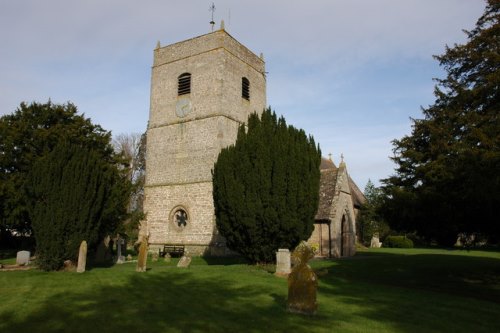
74 195
369 219
266 187
29 133
447 180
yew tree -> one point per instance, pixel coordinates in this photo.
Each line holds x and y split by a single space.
29 133
447 180
266 187
73 194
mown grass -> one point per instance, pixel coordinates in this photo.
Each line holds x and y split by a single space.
379 290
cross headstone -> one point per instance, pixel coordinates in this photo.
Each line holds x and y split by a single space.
120 259
184 262
302 282
23 258
283 266
82 257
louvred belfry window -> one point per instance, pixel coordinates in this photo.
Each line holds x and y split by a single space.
184 84
245 88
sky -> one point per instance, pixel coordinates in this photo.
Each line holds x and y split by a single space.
351 73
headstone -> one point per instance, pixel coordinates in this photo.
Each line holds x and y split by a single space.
103 252
68 266
143 255
167 257
82 257
154 256
184 262
120 259
302 282
283 266
23 258
375 242
129 257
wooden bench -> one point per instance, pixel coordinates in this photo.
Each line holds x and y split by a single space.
173 250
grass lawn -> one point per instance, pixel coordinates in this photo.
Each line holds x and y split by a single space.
378 290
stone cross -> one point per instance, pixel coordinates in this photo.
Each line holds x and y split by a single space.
302 282
82 257
119 244
283 263
23 258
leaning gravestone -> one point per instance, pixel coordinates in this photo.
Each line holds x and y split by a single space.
302 282
283 263
23 258
184 262
82 257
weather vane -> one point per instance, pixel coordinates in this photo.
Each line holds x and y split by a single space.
212 9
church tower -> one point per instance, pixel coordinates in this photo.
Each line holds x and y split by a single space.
202 89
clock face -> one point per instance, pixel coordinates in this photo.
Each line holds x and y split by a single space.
183 107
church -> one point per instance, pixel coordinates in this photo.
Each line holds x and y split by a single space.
202 89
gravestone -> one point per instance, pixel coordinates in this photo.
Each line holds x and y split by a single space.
154 256
143 255
129 257
103 252
82 257
120 259
68 266
302 282
184 262
167 257
283 266
375 242
23 258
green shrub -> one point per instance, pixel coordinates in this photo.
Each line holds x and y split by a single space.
398 241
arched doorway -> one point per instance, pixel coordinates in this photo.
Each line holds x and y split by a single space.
344 237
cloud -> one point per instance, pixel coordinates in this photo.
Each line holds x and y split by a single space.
349 72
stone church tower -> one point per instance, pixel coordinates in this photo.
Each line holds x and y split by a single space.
202 89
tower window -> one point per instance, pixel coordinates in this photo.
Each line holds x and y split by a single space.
245 88
184 84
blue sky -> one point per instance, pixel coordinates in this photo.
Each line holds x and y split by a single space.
349 72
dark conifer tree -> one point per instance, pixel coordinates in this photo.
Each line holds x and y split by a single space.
29 133
447 179
266 187
75 195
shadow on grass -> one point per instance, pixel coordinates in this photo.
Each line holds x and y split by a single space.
164 300
458 275
421 292
394 292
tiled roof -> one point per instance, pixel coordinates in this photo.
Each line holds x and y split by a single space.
358 198
327 183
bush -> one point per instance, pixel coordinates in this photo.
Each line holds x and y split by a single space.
401 242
